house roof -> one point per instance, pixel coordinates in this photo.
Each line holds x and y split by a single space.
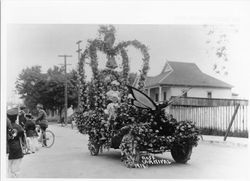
184 74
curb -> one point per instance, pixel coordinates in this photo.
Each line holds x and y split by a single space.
226 143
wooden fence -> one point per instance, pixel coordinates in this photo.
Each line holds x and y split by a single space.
212 113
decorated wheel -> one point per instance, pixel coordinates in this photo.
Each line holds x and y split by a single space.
94 149
181 153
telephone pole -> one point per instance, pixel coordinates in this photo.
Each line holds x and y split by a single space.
78 87
66 87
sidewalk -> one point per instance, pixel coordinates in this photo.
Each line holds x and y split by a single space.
230 141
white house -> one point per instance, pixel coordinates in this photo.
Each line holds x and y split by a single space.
176 77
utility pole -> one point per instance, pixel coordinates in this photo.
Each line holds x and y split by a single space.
66 87
79 57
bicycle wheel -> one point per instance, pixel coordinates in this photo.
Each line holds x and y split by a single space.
24 147
49 139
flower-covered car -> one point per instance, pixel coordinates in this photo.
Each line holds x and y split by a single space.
140 127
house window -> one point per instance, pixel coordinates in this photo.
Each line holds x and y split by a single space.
156 97
209 95
164 96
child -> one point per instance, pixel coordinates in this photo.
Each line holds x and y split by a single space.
113 96
30 128
111 108
15 147
111 112
113 92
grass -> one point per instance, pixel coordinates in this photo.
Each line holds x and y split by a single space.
216 132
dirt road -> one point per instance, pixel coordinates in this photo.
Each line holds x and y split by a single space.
69 158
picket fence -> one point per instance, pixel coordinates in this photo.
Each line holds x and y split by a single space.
216 116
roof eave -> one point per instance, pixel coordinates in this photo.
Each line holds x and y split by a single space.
185 85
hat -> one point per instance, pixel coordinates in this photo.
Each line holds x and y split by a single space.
39 106
112 93
12 111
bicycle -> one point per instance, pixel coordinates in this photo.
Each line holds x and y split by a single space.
46 138
23 143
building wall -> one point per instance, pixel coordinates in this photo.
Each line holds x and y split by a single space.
220 93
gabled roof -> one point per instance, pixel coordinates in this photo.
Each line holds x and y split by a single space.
184 74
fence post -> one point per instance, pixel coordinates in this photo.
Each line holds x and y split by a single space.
231 122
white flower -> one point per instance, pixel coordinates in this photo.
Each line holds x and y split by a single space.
115 82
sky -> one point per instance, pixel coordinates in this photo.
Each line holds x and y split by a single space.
36 32
40 44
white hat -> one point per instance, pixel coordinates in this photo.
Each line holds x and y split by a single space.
113 94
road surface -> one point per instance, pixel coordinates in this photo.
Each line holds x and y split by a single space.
69 158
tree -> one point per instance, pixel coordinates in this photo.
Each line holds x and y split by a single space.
54 93
29 85
47 88
55 89
219 39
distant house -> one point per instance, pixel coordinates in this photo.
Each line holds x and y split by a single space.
176 77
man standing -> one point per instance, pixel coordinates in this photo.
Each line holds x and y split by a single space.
14 144
41 120
21 116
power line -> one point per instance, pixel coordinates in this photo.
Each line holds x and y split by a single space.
66 87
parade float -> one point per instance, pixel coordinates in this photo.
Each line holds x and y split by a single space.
115 114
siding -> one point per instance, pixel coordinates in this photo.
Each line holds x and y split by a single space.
219 93
202 92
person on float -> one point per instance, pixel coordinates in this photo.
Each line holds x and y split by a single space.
113 92
113 103
111 113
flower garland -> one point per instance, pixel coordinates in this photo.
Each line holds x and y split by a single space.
107 47
82 82
146 57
